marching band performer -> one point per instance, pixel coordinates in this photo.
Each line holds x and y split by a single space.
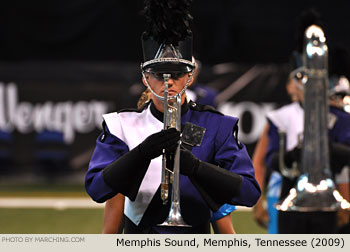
268 143
127 158
339 142
114 209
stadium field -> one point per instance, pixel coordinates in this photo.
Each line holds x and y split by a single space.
55 209
82 221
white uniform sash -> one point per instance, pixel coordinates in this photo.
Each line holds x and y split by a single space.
289 119
133 128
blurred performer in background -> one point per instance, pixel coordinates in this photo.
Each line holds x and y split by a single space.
264 150
127 159
338 127
266 216
199 92
290 119
339 121
266 153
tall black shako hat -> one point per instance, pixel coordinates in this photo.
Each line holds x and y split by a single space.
167 40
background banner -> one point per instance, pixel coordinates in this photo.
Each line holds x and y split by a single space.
51 111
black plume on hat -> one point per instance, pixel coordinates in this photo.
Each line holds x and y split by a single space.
167 40
168 21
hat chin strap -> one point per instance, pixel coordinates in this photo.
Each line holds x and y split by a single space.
170 97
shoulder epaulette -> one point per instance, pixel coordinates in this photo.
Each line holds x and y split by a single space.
200 107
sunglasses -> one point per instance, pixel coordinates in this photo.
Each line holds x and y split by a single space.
174 76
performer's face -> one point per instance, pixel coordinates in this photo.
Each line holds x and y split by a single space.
295 90
339 101
175 84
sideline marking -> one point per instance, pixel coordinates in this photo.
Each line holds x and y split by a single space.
60 203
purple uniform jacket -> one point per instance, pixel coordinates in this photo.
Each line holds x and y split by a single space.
338 132
219 146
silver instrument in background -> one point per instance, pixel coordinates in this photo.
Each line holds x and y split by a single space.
315 189
172 119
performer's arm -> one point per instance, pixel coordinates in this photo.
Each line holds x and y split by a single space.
232 180
113 222
224 225
221 220
108 149
260 213
113 169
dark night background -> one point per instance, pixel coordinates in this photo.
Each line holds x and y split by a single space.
248 31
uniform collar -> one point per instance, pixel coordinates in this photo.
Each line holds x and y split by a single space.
160 116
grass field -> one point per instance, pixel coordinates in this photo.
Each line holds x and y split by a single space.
73 220
82 221
42 190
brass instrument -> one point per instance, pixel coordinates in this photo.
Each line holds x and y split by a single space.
172 119
315 189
